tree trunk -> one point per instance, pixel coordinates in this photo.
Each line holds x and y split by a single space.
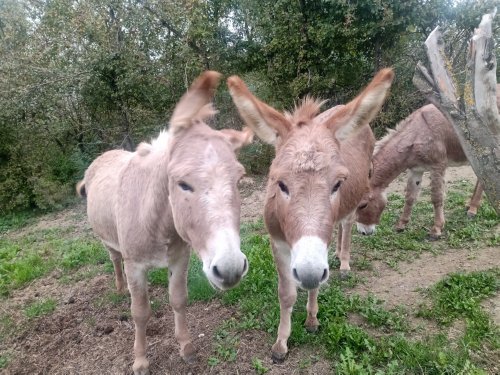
475 116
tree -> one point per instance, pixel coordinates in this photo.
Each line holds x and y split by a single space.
474 114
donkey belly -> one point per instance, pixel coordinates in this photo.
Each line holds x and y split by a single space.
101 184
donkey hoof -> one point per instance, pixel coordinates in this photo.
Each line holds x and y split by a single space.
188 354
433 237
312 328
278 357
141 367
399 229
344 274
471 215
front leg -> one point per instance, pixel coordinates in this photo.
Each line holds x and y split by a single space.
141 312
343 251
177 289
437 198
287 293
412 190
312 322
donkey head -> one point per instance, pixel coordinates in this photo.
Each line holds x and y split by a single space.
203 175
370 210
305 179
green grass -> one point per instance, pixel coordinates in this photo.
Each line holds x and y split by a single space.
26 259
385 342
459 232
40 308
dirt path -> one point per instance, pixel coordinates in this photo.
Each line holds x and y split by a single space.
401 286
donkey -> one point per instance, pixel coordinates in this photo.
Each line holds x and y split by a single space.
424 141
317 178
150 206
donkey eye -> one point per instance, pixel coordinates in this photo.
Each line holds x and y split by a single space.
336 187
363 206
283 187
185 186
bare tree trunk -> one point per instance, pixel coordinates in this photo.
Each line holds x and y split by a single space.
475 116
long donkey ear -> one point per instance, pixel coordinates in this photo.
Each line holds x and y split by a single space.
363 109
238 138
264 120
198 96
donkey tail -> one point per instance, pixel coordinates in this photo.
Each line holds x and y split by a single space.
80 189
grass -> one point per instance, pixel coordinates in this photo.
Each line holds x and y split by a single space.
384 342
40 308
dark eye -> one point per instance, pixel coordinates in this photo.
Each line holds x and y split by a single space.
364 205
283 187
185 186
336 187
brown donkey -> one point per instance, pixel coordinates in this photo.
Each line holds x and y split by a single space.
317 178
150 206
424 141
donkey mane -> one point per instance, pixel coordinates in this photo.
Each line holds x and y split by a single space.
308 108
161 142
382 142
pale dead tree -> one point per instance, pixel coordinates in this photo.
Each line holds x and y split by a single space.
474 114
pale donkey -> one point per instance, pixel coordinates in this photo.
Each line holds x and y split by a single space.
150 206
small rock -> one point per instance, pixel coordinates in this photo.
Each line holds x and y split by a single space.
70 300
108 329
201 335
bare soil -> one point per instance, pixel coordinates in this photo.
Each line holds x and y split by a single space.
86 336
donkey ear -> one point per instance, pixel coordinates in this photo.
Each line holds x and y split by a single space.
237 138
363 108
198 96
264 120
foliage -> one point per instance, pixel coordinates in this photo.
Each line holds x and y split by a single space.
81 77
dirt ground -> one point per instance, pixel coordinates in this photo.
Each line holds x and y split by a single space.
81 338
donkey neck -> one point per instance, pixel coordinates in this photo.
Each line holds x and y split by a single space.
388 163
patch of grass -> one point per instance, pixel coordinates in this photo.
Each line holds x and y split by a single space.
199 289
459 296
258 366
40 308
16 220
6 326
112 298
25 259
158 276
4 360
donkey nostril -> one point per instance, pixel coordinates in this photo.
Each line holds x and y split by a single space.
295 274
325 274
245 266
216 272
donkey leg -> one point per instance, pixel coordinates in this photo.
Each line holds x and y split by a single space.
411 193
475 200
287 293
345 245
141 311
116 258
312 322
177 290
437 198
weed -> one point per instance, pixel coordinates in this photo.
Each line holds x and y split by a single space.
4 360
258 366
40 308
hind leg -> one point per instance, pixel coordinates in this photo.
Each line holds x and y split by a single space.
116 258
475 200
